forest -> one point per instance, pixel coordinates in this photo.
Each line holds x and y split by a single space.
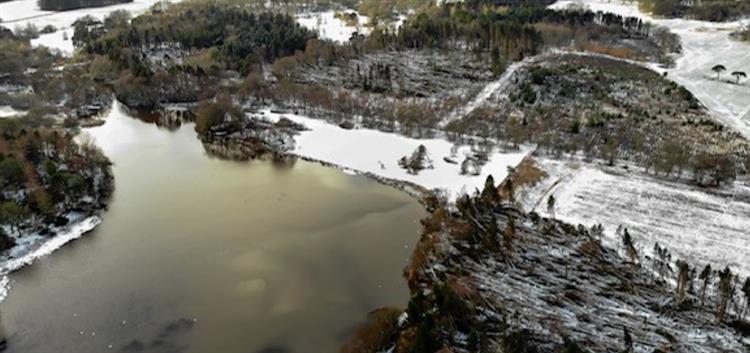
513 33
179 55
237 38
44 175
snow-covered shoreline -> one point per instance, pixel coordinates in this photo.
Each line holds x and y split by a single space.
376 153
33 246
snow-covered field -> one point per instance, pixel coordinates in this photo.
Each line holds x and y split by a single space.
696 224
376 152
19 13
704 45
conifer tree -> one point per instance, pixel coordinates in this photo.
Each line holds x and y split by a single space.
726 292
683 279
705 276
551 206
627 242
746 293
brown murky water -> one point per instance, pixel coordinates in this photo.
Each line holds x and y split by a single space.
202 255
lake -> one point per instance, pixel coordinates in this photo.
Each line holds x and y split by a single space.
198 254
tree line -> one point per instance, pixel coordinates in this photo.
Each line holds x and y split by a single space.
241 38
502 28
64 5
658 125
708 10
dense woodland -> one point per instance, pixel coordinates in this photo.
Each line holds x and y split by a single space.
366 68
238 39
44 175
509 34
179 55
63 5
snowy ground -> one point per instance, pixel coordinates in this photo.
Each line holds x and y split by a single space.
499 85
376 152
696 224
56 41
704 45
19 13
330 27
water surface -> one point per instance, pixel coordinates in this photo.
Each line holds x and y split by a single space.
198 254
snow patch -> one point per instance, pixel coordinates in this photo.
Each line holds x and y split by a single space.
332 28
329 27
7 111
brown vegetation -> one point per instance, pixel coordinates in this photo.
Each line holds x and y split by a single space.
376 334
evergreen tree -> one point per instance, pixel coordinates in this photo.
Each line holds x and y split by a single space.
630 250
746 293
726 292
705 276
551 206
683 279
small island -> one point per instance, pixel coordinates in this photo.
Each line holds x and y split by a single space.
50 178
